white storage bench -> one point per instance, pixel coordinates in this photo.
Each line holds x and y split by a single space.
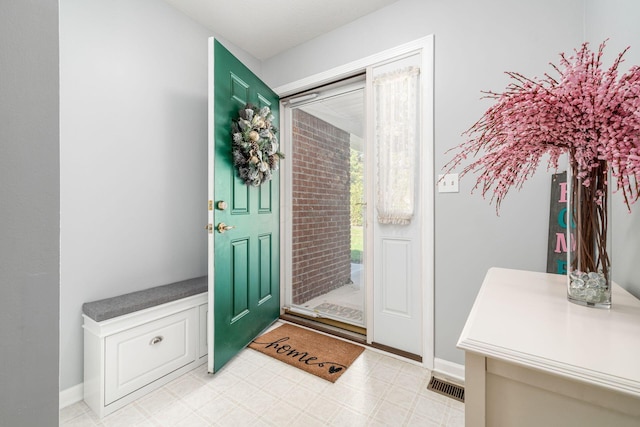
137 342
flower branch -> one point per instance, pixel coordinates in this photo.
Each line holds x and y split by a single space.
590 114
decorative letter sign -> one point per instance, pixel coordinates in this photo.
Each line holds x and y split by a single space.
557 248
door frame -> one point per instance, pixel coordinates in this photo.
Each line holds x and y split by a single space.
425 46
353 83
210 175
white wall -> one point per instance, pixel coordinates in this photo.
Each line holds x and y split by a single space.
133 95
617 20
475 42
29 213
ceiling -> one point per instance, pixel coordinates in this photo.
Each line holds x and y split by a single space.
265 28
345 111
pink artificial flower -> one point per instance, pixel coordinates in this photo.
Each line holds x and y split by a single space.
590 114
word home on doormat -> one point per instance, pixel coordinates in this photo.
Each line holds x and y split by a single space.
318 354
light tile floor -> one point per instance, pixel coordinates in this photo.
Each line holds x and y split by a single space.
257 390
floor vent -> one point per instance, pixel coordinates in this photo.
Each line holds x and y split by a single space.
448 389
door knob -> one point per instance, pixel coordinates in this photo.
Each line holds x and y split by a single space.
222 227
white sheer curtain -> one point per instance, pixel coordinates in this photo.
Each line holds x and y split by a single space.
396 132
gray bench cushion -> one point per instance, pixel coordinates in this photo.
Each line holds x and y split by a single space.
123 304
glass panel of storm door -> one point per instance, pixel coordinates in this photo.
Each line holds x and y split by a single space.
328 207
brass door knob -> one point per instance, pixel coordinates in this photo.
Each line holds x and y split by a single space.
222 227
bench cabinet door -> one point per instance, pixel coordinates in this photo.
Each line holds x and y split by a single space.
141 355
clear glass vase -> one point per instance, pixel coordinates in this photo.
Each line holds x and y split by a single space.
589 236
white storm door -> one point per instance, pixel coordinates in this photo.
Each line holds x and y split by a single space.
398 249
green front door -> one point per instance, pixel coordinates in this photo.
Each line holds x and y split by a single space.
246 258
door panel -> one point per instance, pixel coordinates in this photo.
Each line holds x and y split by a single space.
265 198
265 262
244 287
240 279
240 198
396 273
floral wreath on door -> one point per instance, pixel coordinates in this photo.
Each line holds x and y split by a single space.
256 152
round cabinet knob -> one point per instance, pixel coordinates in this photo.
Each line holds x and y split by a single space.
222 205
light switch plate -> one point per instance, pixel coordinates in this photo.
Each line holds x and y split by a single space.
448 183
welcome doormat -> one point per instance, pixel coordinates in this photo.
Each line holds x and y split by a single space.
340 311
315 353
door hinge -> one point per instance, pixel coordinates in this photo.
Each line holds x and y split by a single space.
209 228
210 205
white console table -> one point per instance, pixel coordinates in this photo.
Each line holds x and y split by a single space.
532 358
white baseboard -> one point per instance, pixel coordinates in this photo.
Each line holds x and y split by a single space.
453 371
71 395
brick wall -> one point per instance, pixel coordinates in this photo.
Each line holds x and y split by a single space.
321 220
